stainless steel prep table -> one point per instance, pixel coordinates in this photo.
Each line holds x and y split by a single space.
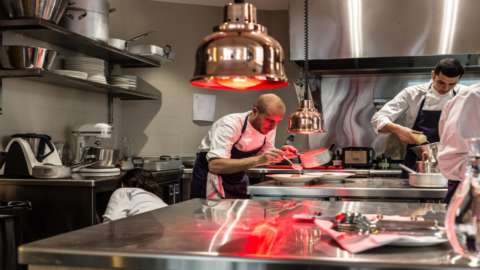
374 188
60 205
233 234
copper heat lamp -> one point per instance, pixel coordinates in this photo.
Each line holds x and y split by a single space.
306 119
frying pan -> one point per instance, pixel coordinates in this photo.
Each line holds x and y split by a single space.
315 158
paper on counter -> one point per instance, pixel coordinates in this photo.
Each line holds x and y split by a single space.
203 107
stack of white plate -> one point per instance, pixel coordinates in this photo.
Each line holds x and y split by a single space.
124 81
97 78
95 67
71 73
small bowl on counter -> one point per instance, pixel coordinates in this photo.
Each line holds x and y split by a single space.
51 10
24 57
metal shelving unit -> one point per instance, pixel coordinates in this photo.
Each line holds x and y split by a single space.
54 34
145 90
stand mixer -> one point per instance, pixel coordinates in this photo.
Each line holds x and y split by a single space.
92 159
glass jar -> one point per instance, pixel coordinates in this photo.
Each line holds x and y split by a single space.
462 220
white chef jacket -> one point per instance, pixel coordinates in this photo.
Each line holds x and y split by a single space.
219 141
407 103
126 202
460 121
226 131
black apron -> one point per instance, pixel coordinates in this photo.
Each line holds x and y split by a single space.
427 123
235 184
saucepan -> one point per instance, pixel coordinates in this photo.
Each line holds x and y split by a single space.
51 10
427 180
24 57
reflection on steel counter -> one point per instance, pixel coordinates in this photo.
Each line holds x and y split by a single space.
235 234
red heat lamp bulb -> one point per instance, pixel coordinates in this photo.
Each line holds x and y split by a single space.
241 83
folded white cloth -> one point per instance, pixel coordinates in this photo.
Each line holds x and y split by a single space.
355 243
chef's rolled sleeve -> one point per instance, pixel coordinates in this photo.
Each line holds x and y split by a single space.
392 110
222 140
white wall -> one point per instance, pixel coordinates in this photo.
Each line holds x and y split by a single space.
167 128
154 128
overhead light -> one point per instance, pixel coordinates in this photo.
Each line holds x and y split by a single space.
306 119
239 55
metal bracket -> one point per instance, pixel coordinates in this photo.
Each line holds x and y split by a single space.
1 80
110 105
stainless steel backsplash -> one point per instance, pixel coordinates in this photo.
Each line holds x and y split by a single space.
348 104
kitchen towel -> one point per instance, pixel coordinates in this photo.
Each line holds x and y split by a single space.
355 243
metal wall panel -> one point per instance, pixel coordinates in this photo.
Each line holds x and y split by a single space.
385 28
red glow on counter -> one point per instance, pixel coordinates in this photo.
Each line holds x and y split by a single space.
261 239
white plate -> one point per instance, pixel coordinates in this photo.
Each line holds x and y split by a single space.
292 178
331 175
71 73
418 241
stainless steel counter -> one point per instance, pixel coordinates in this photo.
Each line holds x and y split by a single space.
75 181
351 188
257 172
233 234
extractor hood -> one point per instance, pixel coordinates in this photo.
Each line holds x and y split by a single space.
385 35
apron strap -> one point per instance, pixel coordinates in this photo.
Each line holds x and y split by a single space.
244 127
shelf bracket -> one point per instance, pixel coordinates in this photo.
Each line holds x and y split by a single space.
110 109
1 80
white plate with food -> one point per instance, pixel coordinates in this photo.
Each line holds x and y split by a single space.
331 175
418 241
292 177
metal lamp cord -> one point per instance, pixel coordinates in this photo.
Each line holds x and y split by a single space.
305 63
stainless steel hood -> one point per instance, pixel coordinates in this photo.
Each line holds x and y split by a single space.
385 35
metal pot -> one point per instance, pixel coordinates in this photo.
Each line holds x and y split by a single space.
425 166
101 6
88 18
23 57
426 151
51 10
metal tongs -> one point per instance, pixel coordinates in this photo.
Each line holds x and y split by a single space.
356 222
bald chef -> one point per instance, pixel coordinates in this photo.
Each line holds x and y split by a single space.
420 106
235 143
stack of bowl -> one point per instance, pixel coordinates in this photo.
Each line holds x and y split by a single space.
24 57
51 10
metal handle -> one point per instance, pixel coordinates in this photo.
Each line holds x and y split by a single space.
406 168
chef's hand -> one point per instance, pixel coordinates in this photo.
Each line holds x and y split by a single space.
289 151
271 156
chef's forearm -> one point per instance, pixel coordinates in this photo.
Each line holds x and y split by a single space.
390 128
226 165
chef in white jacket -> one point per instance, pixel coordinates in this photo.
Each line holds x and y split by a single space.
235 143
459 122
420 106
